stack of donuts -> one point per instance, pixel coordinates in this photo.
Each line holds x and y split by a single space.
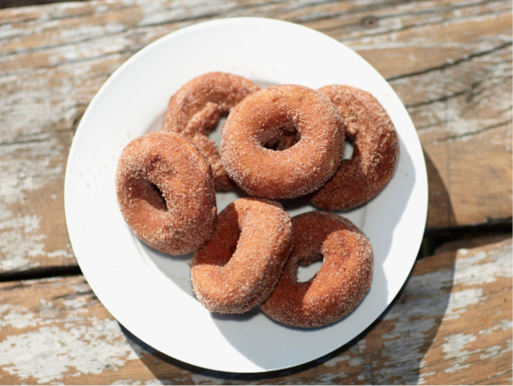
277 143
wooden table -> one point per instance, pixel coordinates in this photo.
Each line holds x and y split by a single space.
450 63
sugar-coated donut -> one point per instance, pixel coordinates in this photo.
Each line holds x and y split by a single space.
196 108
375 152
166 192
242 262
342 281
297 170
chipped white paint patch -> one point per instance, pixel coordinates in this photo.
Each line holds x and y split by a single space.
61 253
48 311
57 336
334 361
478 271
423 376
456 343
18 241
460 300
327 379
83 349
16 316
502 326
26 168
492 351
29 166
454 349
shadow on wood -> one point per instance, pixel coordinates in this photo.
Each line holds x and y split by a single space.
440 209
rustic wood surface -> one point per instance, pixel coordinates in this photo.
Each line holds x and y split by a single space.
451 325
450 63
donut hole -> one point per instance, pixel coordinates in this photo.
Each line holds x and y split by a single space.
152 194
348 149
307 271
287 137
213 131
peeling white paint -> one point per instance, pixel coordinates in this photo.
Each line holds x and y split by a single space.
492 351
48 312
503 326
59 338
481 268
327 379
19 242
84 349
16 316
334 361
454 350
60 253
28 167
423 376
460 300
456 343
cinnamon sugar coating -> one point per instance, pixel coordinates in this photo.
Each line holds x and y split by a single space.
262 117
195 109
242 262
375 154
340 284
166 193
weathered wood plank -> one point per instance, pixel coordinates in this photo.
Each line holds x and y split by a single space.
453 313
55 330
450 62
462 112
32 224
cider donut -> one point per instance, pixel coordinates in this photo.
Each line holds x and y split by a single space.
375 152
242 262
165 191
195 109
340 284
297 170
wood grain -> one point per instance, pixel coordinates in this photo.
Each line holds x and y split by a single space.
55 330
449 61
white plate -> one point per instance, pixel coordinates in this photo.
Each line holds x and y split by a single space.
150 294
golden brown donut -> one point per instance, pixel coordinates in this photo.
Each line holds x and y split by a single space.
297 170
375 154
195 109
240 265
166 193
340 284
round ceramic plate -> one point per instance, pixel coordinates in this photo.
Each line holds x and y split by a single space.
150 293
